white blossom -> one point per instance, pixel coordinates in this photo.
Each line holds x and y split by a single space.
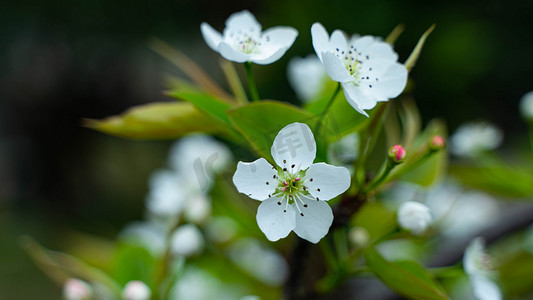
197 158
243 40
414 216
477 265
366 66
77 289
136 290
167 194
526 106
187 240
307 77
293 194
472 138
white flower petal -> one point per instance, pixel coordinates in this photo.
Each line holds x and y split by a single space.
356 99
270 58
325 181
336 68
211 36
338 40
187 240
382 50
362 44
274 43
232 54
320 39
484 288
243 21
294 147
255 179
392 81
315 222
273 220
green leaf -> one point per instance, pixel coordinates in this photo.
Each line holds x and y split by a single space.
376 219
406 278
413 57
501 179
134 263
206 103
260 122
165 120
60 266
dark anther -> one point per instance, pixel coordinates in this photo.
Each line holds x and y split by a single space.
367 57
284 169
284 210
301 214
294 183
269 196
370 85
274 176
305 188
311 179
318 190
267 182
305 205
367 77
293 166
317 199
284 161
279 203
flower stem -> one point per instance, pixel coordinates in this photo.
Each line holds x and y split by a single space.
331 100
324 112
379 180
251 81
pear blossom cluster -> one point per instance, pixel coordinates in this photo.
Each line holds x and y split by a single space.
366 66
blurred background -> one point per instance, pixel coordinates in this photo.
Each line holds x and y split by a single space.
62 61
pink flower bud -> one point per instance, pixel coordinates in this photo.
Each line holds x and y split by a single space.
437 143
397 154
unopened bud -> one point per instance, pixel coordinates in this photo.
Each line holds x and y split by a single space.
136 290
414 216
397 154
76 289
437 143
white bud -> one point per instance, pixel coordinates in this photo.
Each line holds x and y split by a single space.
136 290
76 289
526 106
414 216
187 240
358 237
198 209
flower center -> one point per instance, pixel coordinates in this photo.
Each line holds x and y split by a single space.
351 60
291 188
354 62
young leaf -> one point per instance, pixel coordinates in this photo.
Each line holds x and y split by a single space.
207 103
60 266
411 60
395 33
165 120
406 278
189 67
